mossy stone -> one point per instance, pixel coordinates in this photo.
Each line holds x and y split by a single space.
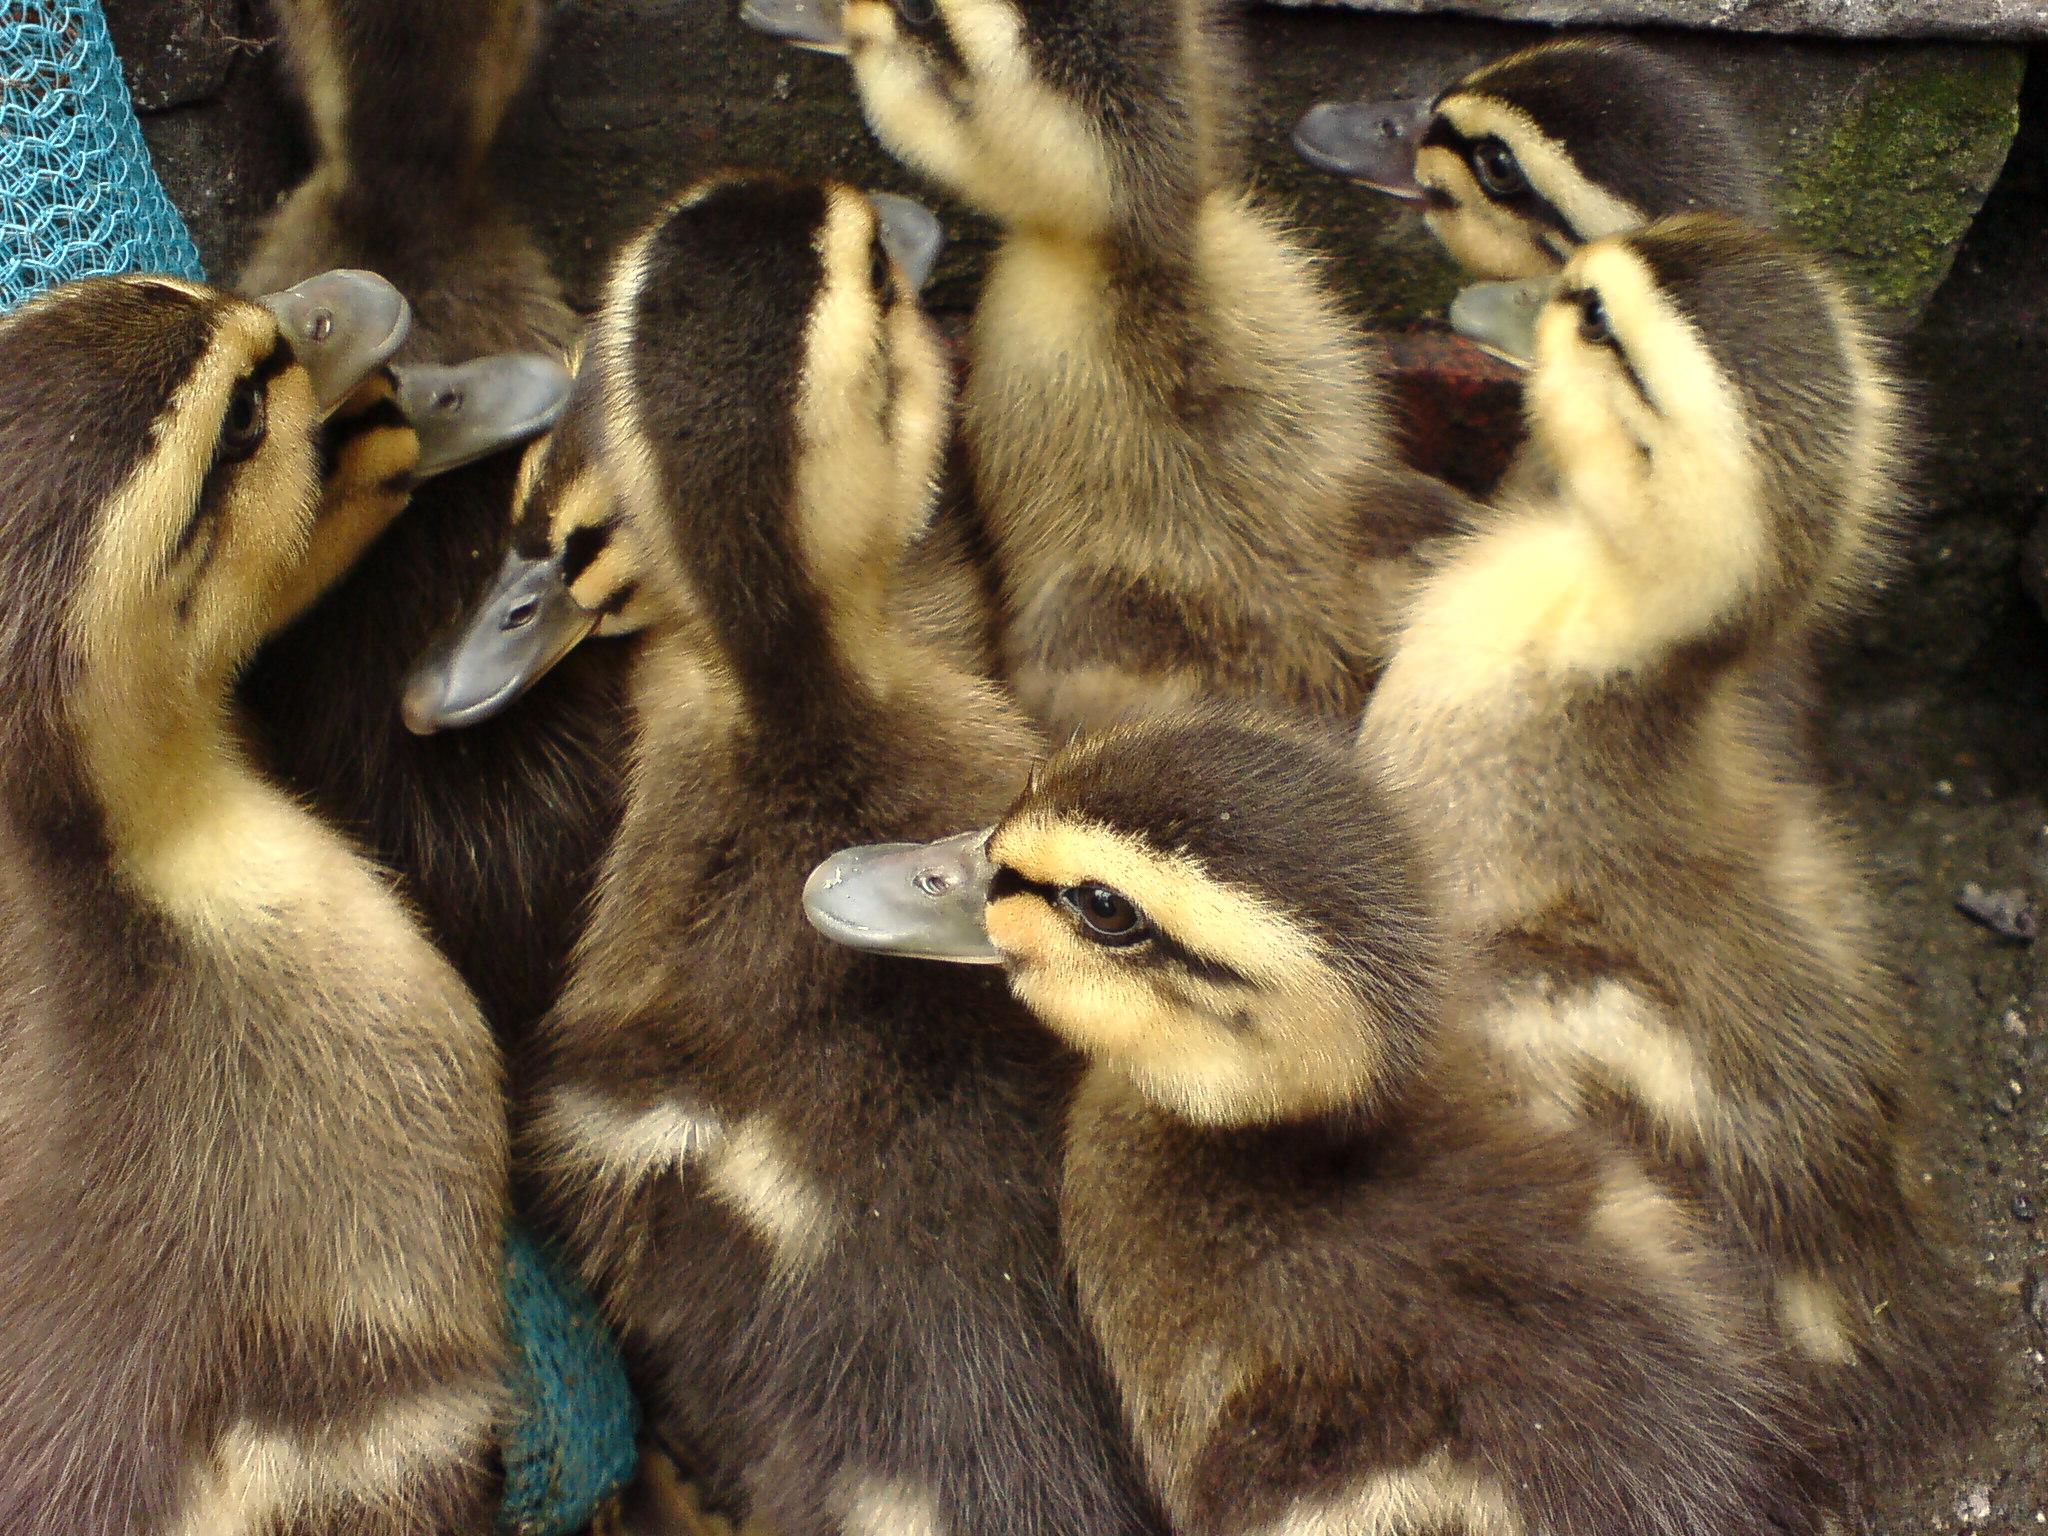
1902 172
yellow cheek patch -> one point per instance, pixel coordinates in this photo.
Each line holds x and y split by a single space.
125 604
1702 488
628 485
1485 239
1023 927
598 584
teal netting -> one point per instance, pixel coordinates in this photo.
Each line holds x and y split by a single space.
78 197
570 1440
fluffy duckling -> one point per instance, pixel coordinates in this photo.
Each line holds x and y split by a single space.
497 832
401 427
1570 713
1341 1286
1519 164
1177 442
843 1169
252 1142
1529 157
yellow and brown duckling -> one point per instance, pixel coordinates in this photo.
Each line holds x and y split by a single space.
1571 713
842 1171
496 833
402 426
1177 442
252 1139
1529 157
1342 1286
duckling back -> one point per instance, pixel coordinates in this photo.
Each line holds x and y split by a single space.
1177 441
495 832
815 1189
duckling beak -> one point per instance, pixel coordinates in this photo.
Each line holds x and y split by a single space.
812 24
1373 142
526 623
340 325
911 234
1501 317
923 900
474 409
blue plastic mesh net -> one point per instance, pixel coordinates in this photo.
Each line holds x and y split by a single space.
78 197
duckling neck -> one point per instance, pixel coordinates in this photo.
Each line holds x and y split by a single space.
1539 681
182 817
1121 344
778 658
1550 590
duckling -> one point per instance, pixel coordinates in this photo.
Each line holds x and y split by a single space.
1341 1285
496 833
1529 157
252 1143
1177 441
1516 166
403 426
1570 712
744 1133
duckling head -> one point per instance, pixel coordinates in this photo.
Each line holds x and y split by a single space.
1069 118
1215 903
1717 409
753 437
160 453
1531 156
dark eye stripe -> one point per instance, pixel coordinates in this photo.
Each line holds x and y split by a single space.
1527 203
1157 947
214 490
1577 297
341 431
207 509
275 361
616 603
883 275
583 546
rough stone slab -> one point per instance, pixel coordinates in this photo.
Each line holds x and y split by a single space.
1460 409
1984 20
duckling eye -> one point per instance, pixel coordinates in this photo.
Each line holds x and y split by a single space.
245 424
1593 327
1499 172
1107 916
917 13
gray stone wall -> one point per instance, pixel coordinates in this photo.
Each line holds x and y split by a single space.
2011 20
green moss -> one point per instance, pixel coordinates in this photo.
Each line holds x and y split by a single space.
1898 178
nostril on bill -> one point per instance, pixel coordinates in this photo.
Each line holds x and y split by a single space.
521 613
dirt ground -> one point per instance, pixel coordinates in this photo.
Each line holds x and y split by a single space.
1948 786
